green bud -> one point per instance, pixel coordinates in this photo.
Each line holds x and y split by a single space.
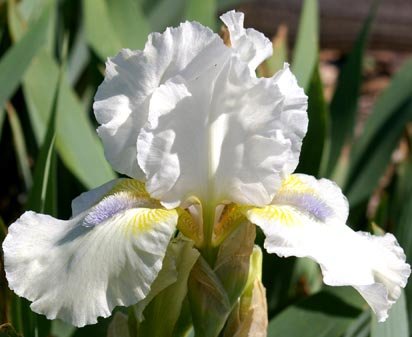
249 317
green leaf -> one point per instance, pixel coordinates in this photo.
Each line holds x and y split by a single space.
76 139
19 146
280 51
314 141
100 32
321 315
344 104
42 196
365 170
61 329
202 11
129 23
210 306
166 306
305 54
166 13
396 324
360 327
17 59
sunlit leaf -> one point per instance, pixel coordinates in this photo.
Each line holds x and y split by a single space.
321 315
203 11
396 324
15 62
166 13
100 32
129 23
376 148
314 141
76 140
344 104
19 145
305 53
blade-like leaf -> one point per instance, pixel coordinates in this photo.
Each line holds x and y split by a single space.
344 104
360 327
100 32
129 23
321 315
305 54
314 141
19 146
396 324
166 13
365 171
76 140
280 51
15 62
202 11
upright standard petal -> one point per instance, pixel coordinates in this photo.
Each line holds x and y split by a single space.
80 269
307 219
252 46
122 100
222 136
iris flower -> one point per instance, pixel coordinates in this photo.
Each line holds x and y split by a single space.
204 142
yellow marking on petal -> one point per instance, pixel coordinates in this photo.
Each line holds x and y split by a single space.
145 219
285 215
293 184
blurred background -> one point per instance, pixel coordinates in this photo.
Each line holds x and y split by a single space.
354 60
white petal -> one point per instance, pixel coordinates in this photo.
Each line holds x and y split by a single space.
122 100
80 269
228 136
252 46
307 219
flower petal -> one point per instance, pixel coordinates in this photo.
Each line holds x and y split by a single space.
122 100
307 219
228 136
252 46
80 269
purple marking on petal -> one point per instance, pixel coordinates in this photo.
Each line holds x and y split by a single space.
110 206
308 203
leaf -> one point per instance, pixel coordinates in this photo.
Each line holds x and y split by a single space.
321 315
344 104
118 326
17 59
360 327
365 171
61 329
305 54
210 306
44 187
100 32
19 146
129 23
166 306
396 324
76 140
202 11
280 51
166 13
314 141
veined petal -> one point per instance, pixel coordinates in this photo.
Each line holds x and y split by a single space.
228 136
307 219
252 46
122 100
80 269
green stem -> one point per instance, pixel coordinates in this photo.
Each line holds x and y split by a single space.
208 251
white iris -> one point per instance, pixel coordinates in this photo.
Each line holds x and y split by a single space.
188 117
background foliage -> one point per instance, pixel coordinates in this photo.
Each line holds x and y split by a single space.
52 60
